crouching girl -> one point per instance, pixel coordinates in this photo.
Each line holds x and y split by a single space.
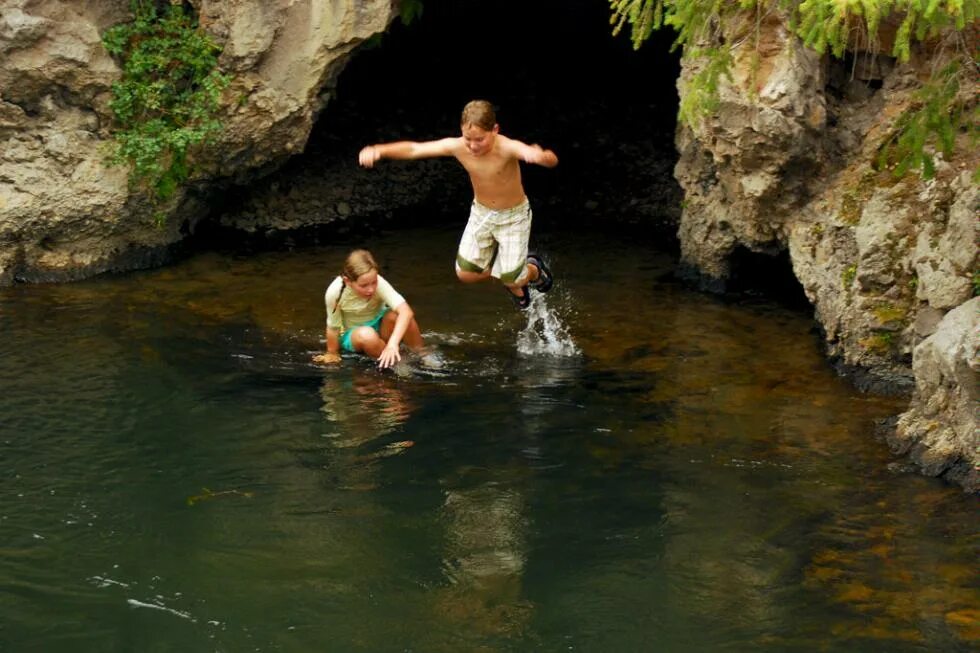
366 315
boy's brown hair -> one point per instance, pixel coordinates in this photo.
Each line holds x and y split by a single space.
479 113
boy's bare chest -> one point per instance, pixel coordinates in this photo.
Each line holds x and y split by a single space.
491 168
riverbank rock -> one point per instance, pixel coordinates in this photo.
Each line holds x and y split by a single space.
787 165
63 213
939 431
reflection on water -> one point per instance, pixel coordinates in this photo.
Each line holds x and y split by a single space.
484 559
628 466
362 406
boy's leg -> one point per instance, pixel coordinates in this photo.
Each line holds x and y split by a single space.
511 265
539 277
531 275
477 246
471 277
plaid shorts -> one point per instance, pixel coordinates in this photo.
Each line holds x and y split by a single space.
498 239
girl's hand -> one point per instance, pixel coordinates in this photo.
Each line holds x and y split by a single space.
328 358
389 356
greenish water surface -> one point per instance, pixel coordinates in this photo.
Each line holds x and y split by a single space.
638 467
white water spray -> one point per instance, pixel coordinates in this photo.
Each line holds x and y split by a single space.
545 333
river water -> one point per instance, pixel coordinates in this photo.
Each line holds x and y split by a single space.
632 467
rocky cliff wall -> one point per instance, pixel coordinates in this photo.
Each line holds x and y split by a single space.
63 213
785 165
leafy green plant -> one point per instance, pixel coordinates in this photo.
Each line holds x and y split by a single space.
409 11
934 118
700 97
705 27
829 24
168 98
848 275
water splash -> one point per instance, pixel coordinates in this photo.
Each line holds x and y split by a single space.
545 333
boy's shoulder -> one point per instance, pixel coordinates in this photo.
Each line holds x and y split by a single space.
508 145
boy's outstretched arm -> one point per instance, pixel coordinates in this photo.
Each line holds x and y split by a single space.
407 150
533 154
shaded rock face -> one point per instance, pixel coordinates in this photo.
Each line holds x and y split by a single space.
63 213
939 431
786 166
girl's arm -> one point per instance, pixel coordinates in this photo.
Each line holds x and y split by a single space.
390 354
331 299
333 348
406 150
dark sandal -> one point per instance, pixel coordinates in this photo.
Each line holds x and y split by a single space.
544 281
521 301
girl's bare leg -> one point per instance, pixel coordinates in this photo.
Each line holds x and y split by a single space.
367 341
412 337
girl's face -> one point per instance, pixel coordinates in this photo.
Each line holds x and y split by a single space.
478 140
365 285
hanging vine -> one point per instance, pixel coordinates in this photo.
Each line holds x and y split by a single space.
829 26
167 101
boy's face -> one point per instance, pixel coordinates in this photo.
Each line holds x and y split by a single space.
365 285
478 140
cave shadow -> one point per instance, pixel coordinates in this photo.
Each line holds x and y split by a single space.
557 77
767 277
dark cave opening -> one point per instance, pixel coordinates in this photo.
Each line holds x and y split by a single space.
767 276
552 68
557 77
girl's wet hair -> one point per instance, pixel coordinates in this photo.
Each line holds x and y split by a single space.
479 113
358 262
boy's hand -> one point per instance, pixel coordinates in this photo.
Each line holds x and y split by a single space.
369 156
389 356
328 358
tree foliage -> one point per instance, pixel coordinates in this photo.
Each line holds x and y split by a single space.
825 26
167 100
828 24
934 119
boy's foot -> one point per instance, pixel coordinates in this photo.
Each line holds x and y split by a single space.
521 301
543 283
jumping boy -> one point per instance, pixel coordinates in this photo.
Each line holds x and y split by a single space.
495 240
